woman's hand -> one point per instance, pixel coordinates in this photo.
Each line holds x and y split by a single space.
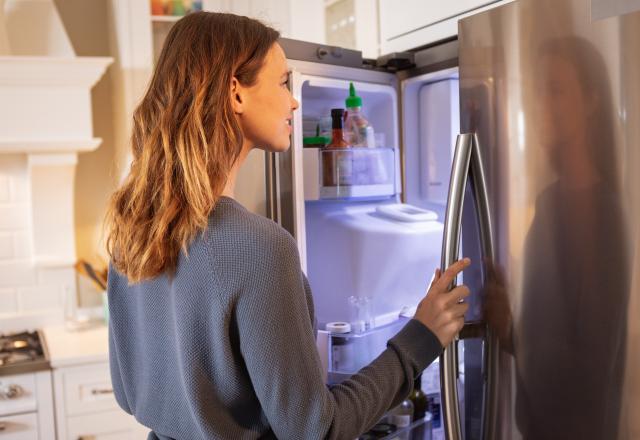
442 311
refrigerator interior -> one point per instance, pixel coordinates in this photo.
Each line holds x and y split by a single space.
365 265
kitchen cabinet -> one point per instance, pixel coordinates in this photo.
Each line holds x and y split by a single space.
19 426
86 407
418 22
26 406
108 425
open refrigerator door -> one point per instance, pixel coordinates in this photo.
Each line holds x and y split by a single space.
368 219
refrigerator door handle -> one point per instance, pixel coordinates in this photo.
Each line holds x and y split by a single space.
467 164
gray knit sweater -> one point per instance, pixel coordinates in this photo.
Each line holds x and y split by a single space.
226 348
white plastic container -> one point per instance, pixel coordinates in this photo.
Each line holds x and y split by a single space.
357 250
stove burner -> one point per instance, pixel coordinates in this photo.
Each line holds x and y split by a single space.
19 341
21 351
19 344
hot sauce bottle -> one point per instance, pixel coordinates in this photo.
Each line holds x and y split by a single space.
336 165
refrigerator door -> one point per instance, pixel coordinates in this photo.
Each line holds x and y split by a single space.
554 100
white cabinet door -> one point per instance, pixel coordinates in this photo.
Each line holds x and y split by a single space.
87 389
19 427
416 14
86 408
106 425
25 398
414 23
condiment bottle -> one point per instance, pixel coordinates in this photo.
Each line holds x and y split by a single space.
337 134
157 7
402 416
419 400
177 8
357 130
336 165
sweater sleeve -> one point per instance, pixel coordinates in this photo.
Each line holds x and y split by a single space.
278 346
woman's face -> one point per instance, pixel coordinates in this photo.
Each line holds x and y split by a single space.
265 109
565 111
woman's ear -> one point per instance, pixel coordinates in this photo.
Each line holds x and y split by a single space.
237 96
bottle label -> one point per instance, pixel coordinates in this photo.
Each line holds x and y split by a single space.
344 168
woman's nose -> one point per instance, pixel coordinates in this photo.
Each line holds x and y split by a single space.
294 103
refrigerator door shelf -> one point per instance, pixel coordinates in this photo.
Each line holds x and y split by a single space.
357 191
349 352
357 166
349 173
369 172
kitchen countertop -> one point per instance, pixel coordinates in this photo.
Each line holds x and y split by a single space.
69 348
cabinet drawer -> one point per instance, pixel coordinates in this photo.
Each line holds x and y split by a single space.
19 427
24 398
88 389
107 425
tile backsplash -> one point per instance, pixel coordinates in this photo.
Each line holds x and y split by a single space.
25 287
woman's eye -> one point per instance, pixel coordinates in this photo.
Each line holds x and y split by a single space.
285 84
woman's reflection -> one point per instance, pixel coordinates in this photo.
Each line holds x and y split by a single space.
569 342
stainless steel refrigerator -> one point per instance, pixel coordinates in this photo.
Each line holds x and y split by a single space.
543 195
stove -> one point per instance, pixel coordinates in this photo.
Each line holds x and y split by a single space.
23 352
26 391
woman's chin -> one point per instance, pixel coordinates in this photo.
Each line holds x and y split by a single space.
276 148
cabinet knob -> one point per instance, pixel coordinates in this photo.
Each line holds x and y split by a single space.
87 437
100 391
3 426
12 391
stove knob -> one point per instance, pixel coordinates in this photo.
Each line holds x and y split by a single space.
12 391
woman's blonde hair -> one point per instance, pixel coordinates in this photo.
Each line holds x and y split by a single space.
185 140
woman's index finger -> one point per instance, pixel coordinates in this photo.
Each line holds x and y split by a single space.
452 272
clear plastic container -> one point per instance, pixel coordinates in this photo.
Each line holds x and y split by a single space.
356 172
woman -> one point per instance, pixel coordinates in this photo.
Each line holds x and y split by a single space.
212 328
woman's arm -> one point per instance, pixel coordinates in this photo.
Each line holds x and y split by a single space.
278 345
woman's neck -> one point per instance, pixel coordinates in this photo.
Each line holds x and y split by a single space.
229 188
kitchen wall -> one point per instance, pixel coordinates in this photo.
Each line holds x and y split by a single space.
46 119
120 29
14 237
